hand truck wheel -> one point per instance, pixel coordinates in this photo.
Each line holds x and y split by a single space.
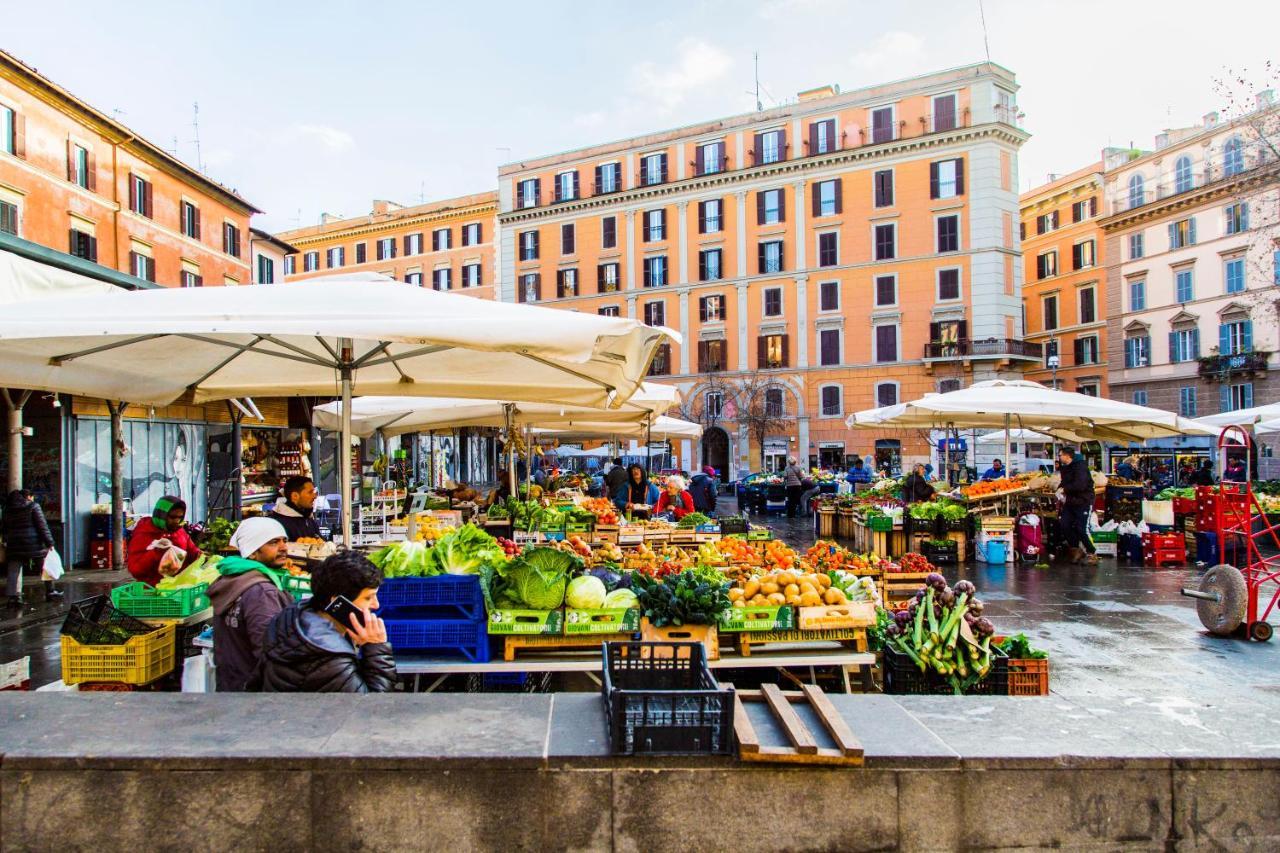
1261 631
1221 599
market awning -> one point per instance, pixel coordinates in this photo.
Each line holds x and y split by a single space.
1252 417
663 427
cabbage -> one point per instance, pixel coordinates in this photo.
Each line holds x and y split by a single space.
586 593
538 577
619 599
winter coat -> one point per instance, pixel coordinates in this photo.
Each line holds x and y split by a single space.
1077 483
994 473
144 561
623 495
297 524
304 652
26 533
858 475
916 489
245 600
679 506
703 488
615 479
793 476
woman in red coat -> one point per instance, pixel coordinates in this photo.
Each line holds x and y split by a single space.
165 526
675 498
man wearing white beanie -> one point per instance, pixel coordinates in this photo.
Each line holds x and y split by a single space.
246 598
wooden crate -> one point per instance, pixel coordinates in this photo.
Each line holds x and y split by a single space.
802 744
898 588
705 634
857 614
854 638
524 645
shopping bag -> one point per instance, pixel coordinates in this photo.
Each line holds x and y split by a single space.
52 566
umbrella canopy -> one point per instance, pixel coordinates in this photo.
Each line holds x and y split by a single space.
399 415
663 427
1267 427
25 280
1023 435
1030 405
1253 417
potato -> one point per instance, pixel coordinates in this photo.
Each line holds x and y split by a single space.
810 599
785 579
736 593
759 601
793 600
791 589
738 602
824 580
750 589
834 596
769 588
777 599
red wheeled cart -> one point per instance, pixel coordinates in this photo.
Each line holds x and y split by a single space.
1228 598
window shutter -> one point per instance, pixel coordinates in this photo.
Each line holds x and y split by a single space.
757 152
702 357
702 270
71 161
1191 231
760 265
648 272
1244 217
196 218
662 222
1093 206
1195 343
782 204
813 138
817 200
786 361
20 135
1248 395
93 249
839 193
1079 350
762 349
1246 336
559 283
933 180
1224 338
74 241
93 173
146 199
576 185
962 330
406 244
702 309
1173 235
935 332
1224 398
702 217
960 177
759 208
537 191
1173 347
600 278
537 241
133 193
782 256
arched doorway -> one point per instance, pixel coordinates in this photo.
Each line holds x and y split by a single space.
715 451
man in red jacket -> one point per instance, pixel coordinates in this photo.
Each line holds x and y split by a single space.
164 529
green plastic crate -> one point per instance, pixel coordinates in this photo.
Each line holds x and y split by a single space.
621 620
299 586
759 535
146 602
1104 536
880 523
777 618
526 621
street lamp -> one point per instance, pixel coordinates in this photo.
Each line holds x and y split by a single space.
1052 362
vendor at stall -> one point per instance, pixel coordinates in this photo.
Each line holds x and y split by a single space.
858 474
295 512
1203 476
675 499
1077 491
1128 468
154 538
637 492
246 598
1235 472
916 488
995 472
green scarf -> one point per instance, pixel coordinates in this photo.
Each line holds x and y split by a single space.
160 513
230 566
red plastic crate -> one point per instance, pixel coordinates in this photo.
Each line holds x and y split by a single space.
1184 506
100 554
1164 557
1163 541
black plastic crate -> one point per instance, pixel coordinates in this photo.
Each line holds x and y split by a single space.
661 699
940 555
902 677
732 525
96 622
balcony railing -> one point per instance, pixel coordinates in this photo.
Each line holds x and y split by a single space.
1224 367
984 348
1169 186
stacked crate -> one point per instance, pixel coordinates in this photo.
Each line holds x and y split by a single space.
441 615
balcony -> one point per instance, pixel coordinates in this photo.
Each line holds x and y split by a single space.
983 349
1225 368
1202 175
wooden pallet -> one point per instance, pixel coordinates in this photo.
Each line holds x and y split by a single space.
854 638
526 644
802 745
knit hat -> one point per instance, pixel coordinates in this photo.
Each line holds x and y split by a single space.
255 532
160 512
708 470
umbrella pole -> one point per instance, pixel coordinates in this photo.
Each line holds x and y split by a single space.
528 466
117 484
344 457
509 410
648 443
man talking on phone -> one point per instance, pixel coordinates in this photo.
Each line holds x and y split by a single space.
332 642
246 598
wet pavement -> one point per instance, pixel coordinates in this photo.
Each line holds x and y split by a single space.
33 630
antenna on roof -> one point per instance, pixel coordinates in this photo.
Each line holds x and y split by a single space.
985 44
195 124
759 106
422 192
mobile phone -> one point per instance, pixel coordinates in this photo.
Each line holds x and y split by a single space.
341 608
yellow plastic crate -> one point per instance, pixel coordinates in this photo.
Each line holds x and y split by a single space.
138 660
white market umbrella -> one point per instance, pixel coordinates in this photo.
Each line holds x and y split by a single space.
322 337
662 426
25 280
1252 417
1024 435
1267 427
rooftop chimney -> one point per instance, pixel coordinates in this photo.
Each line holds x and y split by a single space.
1265 98
820 92
381 207
1162 141
1210 119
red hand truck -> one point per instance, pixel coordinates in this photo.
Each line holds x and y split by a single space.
1228 598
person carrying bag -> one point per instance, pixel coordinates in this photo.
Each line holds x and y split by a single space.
27 540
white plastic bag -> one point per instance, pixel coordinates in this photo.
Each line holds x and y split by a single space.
52 566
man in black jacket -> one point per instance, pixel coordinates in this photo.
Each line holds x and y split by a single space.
308 651
1077 489
295 512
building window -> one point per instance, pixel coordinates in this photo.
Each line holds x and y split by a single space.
948 233
334 258
1232 157
1137 351
774 405
653 170
661 364
568 241
710 216
770 257
829 347
944 113
83 245
1237 217
884 188
442 279
946 178
528 193
609 232
1135 246
711 309
1275 266
1187 401
655 313
946 386
769 207
655 271
829 296
529 245
8 218
1137 192
771 146
414 278
826 201
1184 345
471 234
773 351
1089 389
886 241
471 275
1086 349
311 262
530 287
608 178
567 283
1182 233
709 268
1022 230
607 277
1237 397
1182 175
1138 295
142 266
1233 274
1047 222
948 285
8 130
1050 312
1236 337
190 220
567 186
711 355
386 248
887 394
231 239
655 225
189 278
1082 210
882 125
822 136
608 311
1140 398
886 290
140 195
773 302
1088 305
831 404
362 253
828 249
1184 285
886 344
710 159
1083 255
713 404
441 240
1047 264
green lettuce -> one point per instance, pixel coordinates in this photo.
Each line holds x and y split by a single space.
464 551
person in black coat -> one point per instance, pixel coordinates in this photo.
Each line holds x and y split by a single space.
306 650
916 488
1078 494
27 541
295 512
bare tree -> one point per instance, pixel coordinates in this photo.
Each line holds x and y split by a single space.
761 415
700 410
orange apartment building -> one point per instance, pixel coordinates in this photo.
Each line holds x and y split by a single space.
447 245
847 250
75 180
1064 295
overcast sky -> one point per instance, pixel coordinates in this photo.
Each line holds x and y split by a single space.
324 105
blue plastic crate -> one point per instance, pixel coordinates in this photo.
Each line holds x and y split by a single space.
450 595
465 637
